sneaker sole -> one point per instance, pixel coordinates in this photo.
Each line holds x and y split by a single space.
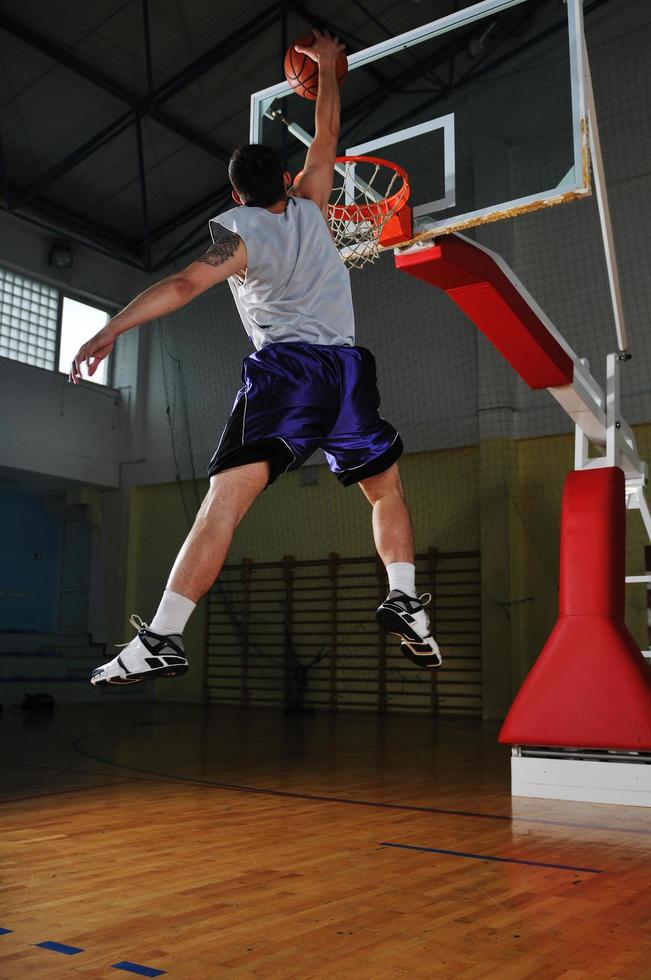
142 676
422 659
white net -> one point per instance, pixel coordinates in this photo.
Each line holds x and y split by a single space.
365 195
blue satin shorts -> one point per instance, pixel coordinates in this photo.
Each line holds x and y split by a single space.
297 398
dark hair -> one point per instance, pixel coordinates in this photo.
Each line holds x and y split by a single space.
256 173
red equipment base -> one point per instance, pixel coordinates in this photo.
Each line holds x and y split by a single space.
590 686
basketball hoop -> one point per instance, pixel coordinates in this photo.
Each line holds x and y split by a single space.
368 193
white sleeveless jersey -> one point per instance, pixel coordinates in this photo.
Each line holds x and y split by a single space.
296 288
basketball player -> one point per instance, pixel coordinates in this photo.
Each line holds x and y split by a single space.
307 386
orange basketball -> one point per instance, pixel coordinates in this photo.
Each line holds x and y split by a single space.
302 73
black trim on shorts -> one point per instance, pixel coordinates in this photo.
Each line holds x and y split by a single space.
232 452
375 466
274 450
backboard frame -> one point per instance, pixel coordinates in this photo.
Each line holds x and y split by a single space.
575 185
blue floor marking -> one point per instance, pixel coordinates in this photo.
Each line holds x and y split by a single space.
126 965
492 857
60 948
143 971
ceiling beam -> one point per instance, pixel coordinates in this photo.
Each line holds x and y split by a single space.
151 107
144 206
59 220
212 200
78 155
222 50
190 243
92 74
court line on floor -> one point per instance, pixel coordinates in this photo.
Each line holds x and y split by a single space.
63 792
492 857
78 772
76 789
128 966
60 948
379 804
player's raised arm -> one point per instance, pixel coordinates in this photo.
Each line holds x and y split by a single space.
225 257
315 182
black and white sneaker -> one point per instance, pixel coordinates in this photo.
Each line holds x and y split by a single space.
147 655
405 616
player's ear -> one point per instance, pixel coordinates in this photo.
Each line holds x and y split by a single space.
236 197
287 180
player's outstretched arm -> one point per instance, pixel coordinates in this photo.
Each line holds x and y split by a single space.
226 257
315 181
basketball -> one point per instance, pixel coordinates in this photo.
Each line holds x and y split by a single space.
302 73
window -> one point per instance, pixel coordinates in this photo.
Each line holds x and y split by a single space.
29 313
39 324
79 322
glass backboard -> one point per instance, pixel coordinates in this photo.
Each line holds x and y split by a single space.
484 108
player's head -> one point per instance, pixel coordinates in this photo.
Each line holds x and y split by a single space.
257 176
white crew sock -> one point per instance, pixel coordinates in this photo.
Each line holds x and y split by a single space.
402 576
172 614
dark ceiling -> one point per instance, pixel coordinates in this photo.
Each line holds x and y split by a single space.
118 116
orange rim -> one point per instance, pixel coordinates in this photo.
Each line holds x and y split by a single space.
380 209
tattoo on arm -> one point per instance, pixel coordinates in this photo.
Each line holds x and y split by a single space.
225 245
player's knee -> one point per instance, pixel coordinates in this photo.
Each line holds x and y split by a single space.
383 485
220 510
231 493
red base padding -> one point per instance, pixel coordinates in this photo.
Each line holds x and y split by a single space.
590 687
490 294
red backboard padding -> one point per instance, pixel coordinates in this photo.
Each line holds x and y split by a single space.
481 288
590 686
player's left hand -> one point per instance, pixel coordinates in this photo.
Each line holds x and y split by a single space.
93 353
325 49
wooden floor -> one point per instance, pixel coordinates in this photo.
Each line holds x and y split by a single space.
213 843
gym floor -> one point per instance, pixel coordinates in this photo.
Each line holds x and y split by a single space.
215 842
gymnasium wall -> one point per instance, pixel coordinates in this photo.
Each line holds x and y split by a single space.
510 512
28 563
60 448
485 456
46 426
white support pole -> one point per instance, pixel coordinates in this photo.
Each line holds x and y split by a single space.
581 448
612 408
604 211
645 512
637 501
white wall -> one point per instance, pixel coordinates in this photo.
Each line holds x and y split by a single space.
26 247
50 427
84 433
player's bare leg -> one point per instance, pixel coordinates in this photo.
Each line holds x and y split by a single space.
392 531
230 496
157 649
402 611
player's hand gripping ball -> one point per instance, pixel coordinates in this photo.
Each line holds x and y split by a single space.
304 57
